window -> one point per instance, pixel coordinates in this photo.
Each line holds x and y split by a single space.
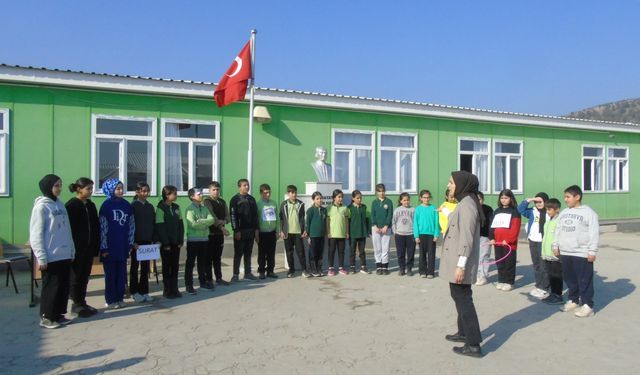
474 158
507 158
190 153
592 168
397 158
124 148
353 160
617 169
4 151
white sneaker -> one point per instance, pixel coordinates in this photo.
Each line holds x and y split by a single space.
569 306
122 304
544 294
112 306
499 286
538 293
481 281
506 287
138 298
584 311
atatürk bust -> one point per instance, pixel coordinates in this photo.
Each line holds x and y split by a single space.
322 169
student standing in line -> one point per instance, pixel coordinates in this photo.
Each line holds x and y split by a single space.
145 218
52 244
267 237
485 246
576 239
426 230
445 209
293 231
117 231
170 230
503 234
198 220
337 231
536 217
244 221
217 232
381 217
316 224
359 230
85 228
402 225
551 257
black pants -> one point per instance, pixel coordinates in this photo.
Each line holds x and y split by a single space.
216 245
578 275
55 289
357 244
427 260
316 250
267 252
138 282
507 267
406 249
468 325
196 252
79 277
541 277
170 264
243 248
553 269
336 244
295 241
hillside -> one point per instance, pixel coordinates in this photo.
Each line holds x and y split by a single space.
620 111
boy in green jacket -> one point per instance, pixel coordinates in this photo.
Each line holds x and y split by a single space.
198 220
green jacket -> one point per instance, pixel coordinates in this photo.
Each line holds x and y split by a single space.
316 221
381 213
198 219
359 222
169 224
268 216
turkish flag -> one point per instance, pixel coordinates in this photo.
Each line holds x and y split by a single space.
233 84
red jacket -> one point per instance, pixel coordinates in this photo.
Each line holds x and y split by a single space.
511 234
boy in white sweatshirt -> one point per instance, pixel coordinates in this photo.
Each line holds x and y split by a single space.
576 240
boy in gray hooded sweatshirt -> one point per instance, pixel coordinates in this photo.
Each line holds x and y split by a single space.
52 245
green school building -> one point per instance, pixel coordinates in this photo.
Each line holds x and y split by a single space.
166 131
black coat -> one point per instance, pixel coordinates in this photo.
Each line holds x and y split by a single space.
85 226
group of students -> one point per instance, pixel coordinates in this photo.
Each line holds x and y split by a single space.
66 238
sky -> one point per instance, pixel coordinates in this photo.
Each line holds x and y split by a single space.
545 57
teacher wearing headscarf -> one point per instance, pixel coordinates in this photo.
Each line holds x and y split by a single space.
459 262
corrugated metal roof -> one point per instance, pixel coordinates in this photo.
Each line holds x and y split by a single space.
355 102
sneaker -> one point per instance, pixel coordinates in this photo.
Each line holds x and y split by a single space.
315 274
331 272
46 323
553 299
306 274
385 271
378 271
290 275
235 279
364 270
63 321
409 272
430 276
112 306
190 290
506 287
401 273
250 276
261 276
138 298
499 286
147 298
352 270
481 281
206 286
272 275
422 275
122 304
538 293
569 306
222 282
584 311
342 271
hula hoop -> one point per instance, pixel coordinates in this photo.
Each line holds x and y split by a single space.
498 260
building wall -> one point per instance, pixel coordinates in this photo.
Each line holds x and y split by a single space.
50 132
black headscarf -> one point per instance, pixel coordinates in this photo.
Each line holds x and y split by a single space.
46 185
543 212
467 186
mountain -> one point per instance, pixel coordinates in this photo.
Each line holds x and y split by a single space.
620 111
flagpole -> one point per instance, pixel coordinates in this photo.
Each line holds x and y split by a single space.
252 92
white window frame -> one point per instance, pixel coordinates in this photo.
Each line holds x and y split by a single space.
192 143
625 178
350 185
474 154
122 141
398 150
4 149
509 156
604 168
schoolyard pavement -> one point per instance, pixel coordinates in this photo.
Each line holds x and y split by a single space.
356 324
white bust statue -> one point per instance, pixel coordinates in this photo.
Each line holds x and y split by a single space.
322 169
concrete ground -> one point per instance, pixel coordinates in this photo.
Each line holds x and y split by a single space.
360 324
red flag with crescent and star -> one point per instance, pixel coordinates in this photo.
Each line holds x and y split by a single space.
233 84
